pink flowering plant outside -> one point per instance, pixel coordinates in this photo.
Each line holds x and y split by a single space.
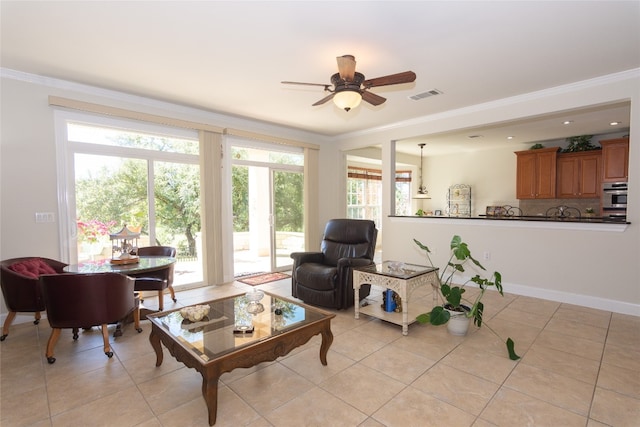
91 231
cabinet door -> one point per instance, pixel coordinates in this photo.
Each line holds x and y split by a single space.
526 176
578 175
589 184
546 180
568 177
615 159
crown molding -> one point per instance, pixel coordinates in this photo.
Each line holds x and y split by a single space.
186 112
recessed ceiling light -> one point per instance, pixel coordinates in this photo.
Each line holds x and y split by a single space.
614 123
567 122
510 137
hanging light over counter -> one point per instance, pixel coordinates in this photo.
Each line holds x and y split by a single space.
422 190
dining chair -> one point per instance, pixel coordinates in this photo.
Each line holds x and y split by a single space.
157 280
20 286
85 300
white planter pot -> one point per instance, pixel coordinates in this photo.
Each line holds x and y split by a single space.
458 324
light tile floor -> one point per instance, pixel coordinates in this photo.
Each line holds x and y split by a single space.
579 367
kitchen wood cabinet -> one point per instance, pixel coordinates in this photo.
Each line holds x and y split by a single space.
578 175
536 173
615 160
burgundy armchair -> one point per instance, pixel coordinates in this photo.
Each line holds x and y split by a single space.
85 300
325 278
20 287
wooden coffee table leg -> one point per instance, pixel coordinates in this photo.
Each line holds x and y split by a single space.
327 339
210 394
154 339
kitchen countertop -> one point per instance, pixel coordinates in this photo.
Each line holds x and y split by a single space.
536 218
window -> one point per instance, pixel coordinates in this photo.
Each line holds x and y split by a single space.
403 192
364 194
144 176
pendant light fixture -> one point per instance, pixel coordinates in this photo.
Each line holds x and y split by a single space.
422 190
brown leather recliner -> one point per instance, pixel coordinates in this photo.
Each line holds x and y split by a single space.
22 292
157 280
325 278
85 300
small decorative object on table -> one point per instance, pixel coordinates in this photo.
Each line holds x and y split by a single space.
254 297
124 248
388 302
194 313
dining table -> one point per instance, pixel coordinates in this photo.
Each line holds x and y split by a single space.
144 265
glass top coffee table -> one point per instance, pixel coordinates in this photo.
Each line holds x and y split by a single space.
237 333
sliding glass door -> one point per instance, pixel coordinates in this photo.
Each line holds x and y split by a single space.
287 217
267 198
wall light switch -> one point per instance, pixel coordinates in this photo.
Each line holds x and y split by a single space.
45 217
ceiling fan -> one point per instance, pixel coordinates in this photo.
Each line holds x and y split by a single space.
350 87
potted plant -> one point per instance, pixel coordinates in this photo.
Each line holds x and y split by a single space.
455 308
579 143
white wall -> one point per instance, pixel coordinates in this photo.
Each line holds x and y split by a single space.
491 174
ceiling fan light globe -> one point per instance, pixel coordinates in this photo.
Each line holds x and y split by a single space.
347 99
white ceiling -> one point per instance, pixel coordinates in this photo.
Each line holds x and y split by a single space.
230 57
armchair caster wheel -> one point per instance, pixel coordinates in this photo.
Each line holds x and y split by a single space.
51 360
109 354
175 299
35 322
75 336
2 338
139 330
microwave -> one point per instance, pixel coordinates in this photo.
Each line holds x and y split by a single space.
614 195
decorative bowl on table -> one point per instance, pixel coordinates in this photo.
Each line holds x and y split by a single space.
396 266
195 313
254 297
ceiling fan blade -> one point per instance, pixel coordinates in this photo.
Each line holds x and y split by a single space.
323 100
346 67
305 84
372 98
392 79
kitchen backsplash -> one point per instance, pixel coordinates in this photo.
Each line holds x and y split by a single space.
540 206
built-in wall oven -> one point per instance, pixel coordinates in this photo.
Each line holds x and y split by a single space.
614 200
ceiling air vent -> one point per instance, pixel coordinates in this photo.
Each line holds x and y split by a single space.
432 92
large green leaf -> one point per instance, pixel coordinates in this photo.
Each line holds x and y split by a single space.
511 350
477 314
455 296
459 248
439 316
423 318
421 246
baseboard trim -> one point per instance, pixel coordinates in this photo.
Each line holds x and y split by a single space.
614 306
